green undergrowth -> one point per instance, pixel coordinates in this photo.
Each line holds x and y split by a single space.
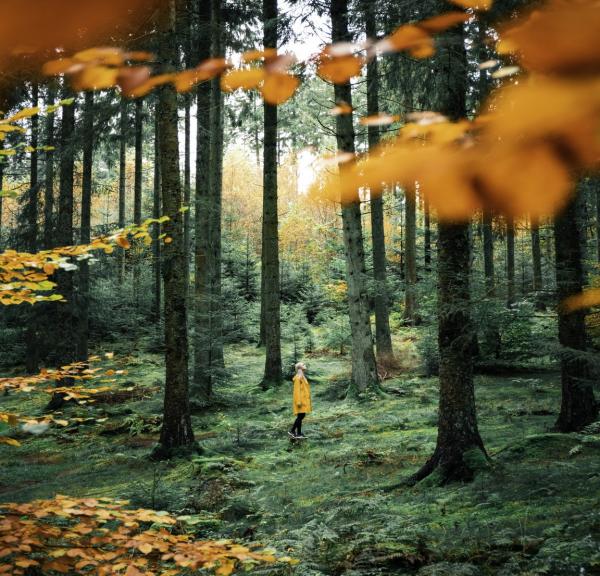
335 501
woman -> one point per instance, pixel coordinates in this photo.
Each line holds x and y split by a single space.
302 402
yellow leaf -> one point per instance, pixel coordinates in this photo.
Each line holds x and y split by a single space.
60 66
95 78
123 242
254 55
443 22
25 113
586 299
9 441
279 88
145 548
244 79
410 37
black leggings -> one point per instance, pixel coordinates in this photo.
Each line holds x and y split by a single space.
297 427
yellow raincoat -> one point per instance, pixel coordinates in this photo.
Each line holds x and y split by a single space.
302 401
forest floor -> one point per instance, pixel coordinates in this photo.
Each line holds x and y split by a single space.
329 501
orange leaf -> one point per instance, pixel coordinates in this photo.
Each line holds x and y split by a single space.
339 69
123 242
586 299
474 4
443 22
95 78
245 79
145 548
132 77
379 120
341 109
254 55
279 88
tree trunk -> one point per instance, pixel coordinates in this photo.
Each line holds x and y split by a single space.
578 405
427 211
510 261
137 194
176 428
31 237
270 254
86 214
216 183
49 172
383 337
410 261
67 322
122 184
156 213
597 185
488 253
459 450
202 333
536 253
364 368
187 163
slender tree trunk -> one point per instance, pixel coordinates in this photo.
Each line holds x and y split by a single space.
427 239
137 194
459 450
410 262
364 368
67 324
510 260
270 254
578 405
383 337
31 237
86 228
122 183
536 252
203 370
216 184
176 428
187 164
49 172
488 253
156 213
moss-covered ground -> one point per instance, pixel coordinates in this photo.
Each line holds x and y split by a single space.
333 501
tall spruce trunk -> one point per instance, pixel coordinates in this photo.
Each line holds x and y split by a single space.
383 337
410 258
427 238
122 183
188 57
510 261
578 405
32 348
364 368
459 449
86 229
536 254
48 238
176 428
156 213
67 312
137 194
217 361
202 386
488 253
270 229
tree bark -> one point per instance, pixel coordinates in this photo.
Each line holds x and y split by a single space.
137 193
578 405
459 450
510 261
270 254
176 428
364 368
488 253
156 213
536 253
203 380
383 337
410 258
86 232
48 239
427 210
122 183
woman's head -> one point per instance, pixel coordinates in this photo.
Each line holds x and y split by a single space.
300 368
